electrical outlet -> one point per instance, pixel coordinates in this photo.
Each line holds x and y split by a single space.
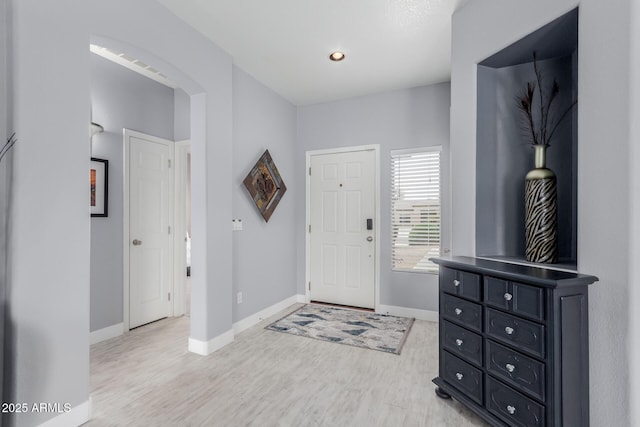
236 224
239 298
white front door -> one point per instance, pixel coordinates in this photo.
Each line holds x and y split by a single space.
342 228
150 220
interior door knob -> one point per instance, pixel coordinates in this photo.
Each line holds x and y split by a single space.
136 242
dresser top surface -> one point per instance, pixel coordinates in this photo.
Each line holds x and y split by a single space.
541 276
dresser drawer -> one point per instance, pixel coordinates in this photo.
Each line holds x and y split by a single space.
461 311
523 334
462 376
513 407
460 283
462 342
521 299
520 371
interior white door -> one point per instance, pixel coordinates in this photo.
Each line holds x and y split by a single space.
342 247
150 239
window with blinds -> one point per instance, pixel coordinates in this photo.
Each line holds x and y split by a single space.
415 209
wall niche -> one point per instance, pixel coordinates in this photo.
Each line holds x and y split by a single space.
504 153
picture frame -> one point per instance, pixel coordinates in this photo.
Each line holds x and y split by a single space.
99 184
265 185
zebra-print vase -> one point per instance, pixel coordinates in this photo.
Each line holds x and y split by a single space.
541 223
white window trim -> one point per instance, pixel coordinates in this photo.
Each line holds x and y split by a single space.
402 153
406 151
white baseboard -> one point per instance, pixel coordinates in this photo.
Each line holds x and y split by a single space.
254 319
392 310
106 333
302 298
77 416
205 348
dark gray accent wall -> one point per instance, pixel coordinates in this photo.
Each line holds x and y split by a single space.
264 254
505 155
399 119
120 98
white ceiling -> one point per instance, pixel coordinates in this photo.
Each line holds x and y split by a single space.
389 44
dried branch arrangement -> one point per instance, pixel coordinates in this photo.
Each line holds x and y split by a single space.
7 146
540 126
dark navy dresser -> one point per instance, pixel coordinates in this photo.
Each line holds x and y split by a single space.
514 342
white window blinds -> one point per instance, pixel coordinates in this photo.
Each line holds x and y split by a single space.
415 209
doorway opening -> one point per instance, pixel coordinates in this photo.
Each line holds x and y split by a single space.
108 312
183 228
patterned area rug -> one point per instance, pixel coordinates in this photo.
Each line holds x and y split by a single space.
352 327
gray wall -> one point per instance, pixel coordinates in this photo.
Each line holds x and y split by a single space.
604 192
5 186
181 115
400 119
4 42
120 98
634 224
48 317
264 254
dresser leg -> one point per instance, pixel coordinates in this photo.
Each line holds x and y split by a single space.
442 394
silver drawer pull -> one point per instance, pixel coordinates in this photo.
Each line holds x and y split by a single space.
510 367
459 342
459 376
458 311
509 330
511 409
456 283
508 296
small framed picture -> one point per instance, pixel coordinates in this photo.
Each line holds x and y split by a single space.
99 187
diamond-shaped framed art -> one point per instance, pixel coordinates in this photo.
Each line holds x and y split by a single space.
265 185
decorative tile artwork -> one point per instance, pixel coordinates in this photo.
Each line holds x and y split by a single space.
265 185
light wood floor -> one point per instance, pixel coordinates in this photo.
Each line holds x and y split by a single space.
264 378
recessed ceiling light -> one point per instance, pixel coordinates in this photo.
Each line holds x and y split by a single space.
336 56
